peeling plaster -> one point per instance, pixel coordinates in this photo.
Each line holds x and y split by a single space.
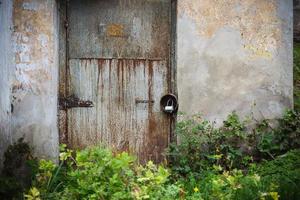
32 46
32 6
5 75
35 82
234 55
249 17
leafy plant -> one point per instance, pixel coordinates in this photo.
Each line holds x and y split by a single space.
201 146
284 172
282 139
231 162
96 173
217 162
151 183
18 171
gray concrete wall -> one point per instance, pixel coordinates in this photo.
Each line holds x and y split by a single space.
5 74
235 55
30 94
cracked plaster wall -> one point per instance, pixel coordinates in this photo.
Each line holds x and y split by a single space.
235 56
5 74
29 76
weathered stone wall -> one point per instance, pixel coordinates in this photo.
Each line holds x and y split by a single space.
235 55
31 91
5 74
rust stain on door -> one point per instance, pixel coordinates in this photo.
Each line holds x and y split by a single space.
115 30
124 77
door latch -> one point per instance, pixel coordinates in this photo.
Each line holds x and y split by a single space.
73 102
137 101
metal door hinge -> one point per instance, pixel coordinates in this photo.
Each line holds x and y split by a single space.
73 102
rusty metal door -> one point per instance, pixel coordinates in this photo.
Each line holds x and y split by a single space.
118 59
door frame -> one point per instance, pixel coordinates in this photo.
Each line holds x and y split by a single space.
64 67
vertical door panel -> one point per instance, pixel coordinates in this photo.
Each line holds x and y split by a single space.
126 114
118 54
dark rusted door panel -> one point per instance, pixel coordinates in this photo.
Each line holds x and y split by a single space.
119 60
119 28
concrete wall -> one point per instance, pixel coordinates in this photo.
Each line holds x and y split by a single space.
5 74
235 55
30 95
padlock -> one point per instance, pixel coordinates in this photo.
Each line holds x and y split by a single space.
169 104
169 107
